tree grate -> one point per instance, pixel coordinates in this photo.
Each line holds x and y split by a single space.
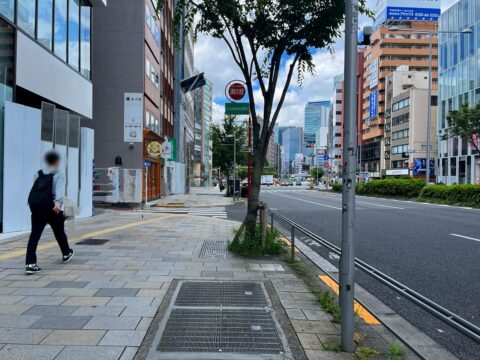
245 294
230 331
214 249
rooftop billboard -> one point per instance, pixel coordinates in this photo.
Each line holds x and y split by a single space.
417 10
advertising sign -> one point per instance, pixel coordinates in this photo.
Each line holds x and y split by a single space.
133 117
373 103
169 149
420 166
235 90
397 172
419 10
373 77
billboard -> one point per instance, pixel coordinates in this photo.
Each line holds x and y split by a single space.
133 117
420 10
373 103
420 166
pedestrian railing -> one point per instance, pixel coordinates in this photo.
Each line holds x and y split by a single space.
458 323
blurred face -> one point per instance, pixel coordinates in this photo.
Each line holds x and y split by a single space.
54 165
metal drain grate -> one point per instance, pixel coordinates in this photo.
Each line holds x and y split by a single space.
213 249
92 242
221 294
229 331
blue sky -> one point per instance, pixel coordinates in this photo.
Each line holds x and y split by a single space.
213 57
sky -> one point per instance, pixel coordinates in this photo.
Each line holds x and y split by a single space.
213 57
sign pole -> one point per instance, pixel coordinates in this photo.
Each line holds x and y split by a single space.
146 186
249 169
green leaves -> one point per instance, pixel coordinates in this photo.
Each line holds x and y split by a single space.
465 123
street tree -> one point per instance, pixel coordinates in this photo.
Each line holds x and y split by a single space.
465 123
317 172
222 143
268 40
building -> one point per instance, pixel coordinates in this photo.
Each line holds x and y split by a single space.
271 155
133 69
315 118
401 43
459 84
335 126
406 102
183 114
292 142
46 100
202 156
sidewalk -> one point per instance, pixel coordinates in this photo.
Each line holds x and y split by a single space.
131 271
198 197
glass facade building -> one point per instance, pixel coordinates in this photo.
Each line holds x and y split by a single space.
316 117
292 141
459 83
63 27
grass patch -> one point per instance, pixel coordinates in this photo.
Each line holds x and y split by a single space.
246 246
395 352
366 353
327 346
328 302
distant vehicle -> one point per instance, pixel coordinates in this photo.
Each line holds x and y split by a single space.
266 180
298 183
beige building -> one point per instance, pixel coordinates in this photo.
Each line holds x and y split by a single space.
406 113
390 49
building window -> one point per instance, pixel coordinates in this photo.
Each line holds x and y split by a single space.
401 119
60 42
7 9
401 104
402 134
85 38
73 33
400 149
26 16
45 20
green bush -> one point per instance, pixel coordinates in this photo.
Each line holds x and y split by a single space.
337 187
464 195
403 188
253 247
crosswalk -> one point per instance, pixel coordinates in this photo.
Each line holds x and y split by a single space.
301 190
215 212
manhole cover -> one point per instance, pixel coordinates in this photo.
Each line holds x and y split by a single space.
213 249
221 294
229 331
92 242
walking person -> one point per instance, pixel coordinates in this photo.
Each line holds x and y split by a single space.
45 201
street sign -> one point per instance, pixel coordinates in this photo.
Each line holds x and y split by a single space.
237 108
147 163
326 164
326 157
235 90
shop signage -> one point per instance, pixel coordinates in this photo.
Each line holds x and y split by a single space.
169 149
417 10
154 149
133 118
397 172
235 90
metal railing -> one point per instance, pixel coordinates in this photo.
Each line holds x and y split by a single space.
458 323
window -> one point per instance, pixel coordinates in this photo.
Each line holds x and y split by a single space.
45 20
402 134
26 16
401 104
85 23
401 119
73 33
60 45
152 25
400 149
7 9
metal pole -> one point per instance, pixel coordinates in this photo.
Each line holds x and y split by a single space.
347 269
146 185
234 169
429 111
292 243
249 170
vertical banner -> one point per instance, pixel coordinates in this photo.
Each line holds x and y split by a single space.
133 117
373 103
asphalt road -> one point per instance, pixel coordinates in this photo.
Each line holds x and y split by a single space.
433 249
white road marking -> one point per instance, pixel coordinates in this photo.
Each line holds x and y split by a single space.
386 206
310 202
465 237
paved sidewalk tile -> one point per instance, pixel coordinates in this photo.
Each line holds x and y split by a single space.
61 322
15 321
113 322
123 337
74 337
129 353
117 292
29 352
22 336
98 311
86 301
90 353
52 310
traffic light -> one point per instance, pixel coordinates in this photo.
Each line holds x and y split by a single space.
364 36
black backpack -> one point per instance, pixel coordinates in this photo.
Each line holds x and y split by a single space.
40 198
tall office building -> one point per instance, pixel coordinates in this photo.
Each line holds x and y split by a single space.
459 84
46 100
315 118
335 126
133 91
292 142
202 156
390 48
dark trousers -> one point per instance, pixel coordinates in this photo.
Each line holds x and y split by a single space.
39 221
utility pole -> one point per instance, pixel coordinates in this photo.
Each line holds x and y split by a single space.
234 168
429 104
347 259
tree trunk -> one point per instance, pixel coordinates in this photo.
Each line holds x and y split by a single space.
254 196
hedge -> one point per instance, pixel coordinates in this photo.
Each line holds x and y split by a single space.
403 188
464 195
337 186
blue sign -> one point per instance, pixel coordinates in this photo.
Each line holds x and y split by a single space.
373 103
407 13
420 166
326 157
147 163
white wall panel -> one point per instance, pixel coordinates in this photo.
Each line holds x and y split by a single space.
44 74
23 157
86 172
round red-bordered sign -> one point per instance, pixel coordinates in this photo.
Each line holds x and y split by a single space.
235 90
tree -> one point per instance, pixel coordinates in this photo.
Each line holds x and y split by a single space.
222 144
268 40
317 172
466 124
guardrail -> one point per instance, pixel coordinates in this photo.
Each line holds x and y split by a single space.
458 323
